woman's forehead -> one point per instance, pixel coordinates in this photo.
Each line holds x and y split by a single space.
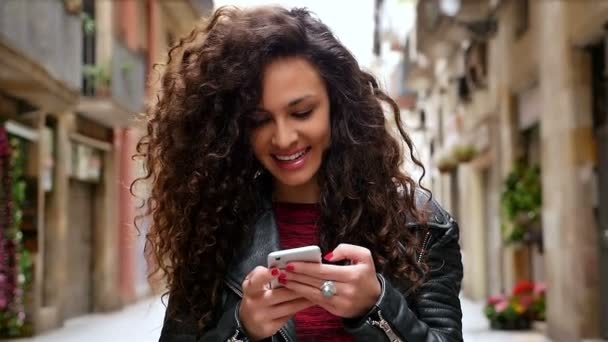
288 81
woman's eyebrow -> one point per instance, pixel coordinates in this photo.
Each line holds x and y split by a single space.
291 103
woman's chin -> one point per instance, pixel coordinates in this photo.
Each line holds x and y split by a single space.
293 179
293 182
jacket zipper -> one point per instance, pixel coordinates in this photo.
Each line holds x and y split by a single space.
240 294
386 327
424 245
235 338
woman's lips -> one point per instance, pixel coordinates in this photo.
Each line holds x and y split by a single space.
293 164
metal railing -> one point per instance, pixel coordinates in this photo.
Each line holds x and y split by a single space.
122 78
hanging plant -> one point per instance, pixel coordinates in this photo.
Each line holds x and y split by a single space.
88 24
447 164
100 77
72 6
464 153
521 202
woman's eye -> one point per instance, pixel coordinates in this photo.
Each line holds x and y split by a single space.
259 120
303 115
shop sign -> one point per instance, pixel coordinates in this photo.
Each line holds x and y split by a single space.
86 163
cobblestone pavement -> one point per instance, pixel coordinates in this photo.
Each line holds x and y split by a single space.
143 322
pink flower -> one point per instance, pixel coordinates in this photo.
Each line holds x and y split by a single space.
540 289
501 306
493 300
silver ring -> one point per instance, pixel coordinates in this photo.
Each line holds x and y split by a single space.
328 289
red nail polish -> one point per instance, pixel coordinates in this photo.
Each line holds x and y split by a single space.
283 281
290 268
274 272
282 277
328 256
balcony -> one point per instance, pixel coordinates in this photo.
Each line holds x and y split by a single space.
476 10
113 91
40 47
438 33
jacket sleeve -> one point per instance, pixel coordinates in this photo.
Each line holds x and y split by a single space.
182 328
432 313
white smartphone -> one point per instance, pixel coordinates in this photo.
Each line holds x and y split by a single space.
280 259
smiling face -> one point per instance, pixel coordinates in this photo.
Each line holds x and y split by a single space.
292 128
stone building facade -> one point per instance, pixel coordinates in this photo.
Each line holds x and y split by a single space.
522 80
73 74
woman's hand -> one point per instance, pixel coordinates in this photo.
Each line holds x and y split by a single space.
357 286
263 310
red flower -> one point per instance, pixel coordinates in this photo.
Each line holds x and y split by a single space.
526 301
523 287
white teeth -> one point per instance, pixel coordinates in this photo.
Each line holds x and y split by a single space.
291 157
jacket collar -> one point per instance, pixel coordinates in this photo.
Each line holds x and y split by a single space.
263 239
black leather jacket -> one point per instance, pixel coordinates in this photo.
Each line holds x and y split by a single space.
432 313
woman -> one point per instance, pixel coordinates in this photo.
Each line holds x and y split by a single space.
267 135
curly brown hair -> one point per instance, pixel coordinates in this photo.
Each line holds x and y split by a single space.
204 177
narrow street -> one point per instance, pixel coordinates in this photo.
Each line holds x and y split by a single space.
143 322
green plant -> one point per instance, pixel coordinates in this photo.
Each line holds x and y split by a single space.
447 164
88 24
99 76
18 277
464 153
521 202
127 67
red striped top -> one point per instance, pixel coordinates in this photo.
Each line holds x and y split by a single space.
297 224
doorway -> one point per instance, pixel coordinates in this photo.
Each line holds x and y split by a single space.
600 125
80 249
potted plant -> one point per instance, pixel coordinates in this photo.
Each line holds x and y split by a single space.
539 305
447 164
100 77
88 24
72 6
464 153
518 310
521 202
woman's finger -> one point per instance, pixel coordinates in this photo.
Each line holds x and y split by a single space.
279 295
288 309
256 281
356 254
321 271
312 293
304 278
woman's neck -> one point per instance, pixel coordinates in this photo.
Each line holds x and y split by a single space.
305 193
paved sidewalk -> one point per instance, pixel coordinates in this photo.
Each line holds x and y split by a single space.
143 322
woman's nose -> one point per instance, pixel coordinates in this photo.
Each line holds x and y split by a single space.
284 136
